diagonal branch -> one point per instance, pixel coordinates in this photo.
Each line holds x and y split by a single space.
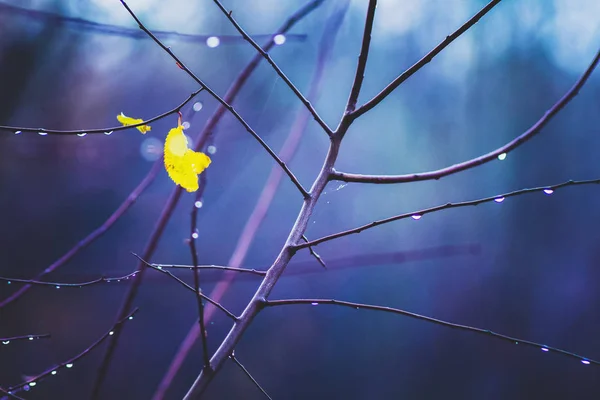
362 58
116 30
190 288
528 134
106 131
228 106
10 394
69 363
357 306
417 215
423 61
314 253
194 253
278 70
249 375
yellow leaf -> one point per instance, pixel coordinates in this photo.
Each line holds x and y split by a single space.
182 163
127 121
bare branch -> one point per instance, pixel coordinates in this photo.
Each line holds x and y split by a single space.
9 394
59 285
314 253
106 131
228 106
423 61
194 253
531 132
69 363
278 70
419 214
362 58
216 267
358 306
23 338
239 364
188 287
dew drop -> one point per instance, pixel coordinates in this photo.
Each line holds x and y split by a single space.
18 132
499 199
416 217
108 133
545 349
586 362
198 204
548 191
314 304
53 372
211 149
279 39
5 341
197 106
213 42
186 125
82 134
502 156
69 365
42 133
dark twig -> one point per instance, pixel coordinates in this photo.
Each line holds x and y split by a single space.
194 253
357 306
23 338
103 130
528 134
237 362
418 214
278 70
116 30
314 253
188 287
228 106
59 285
214 267
69 363
362 58
423 61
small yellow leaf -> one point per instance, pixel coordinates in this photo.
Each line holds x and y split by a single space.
182 163
127 121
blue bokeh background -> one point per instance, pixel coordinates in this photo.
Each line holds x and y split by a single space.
528 267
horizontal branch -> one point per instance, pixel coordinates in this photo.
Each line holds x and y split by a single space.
116 30
530 133
59 285
423 61
188 287
213 267
416 215
31 382
7 340
278 70
358 306
228 106
106 131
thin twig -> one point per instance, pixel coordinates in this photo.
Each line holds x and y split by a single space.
362 58
423 61
419 214
214 267
278 70
237 362
188 287
227 105
59 285
525 136
23 338
314 253
194 253
199 143
357 306
175 110
116 30
69 363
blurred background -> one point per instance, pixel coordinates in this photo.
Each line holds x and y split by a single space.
528 267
